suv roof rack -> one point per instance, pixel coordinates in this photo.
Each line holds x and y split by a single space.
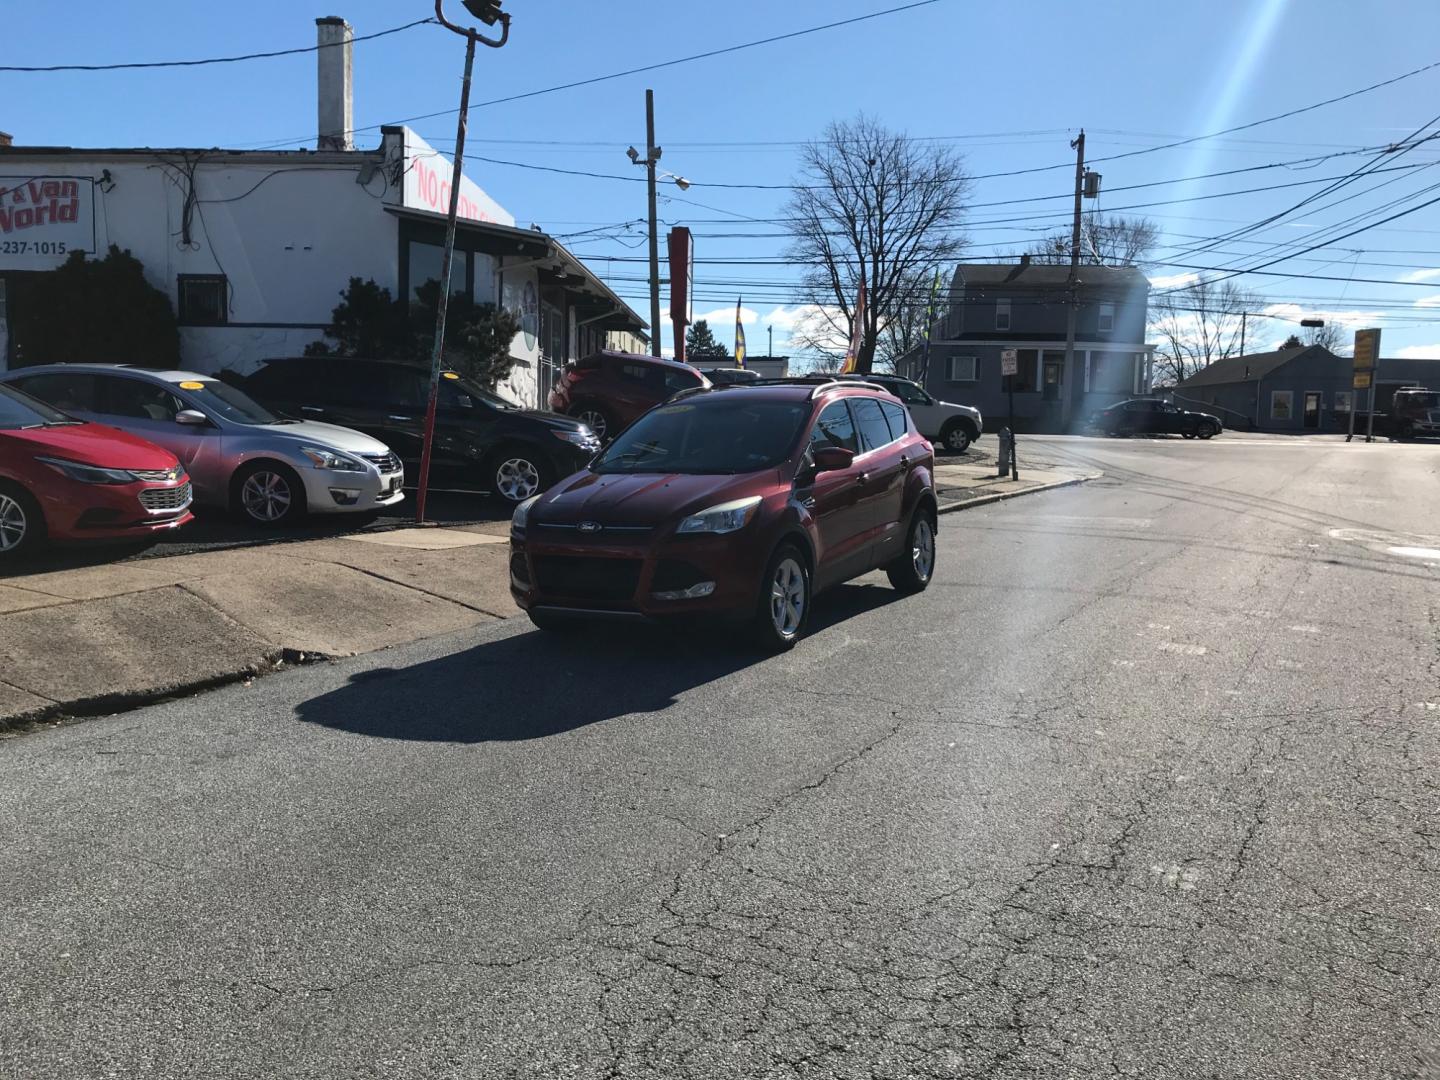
818 383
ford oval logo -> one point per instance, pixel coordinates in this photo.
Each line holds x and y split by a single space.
589 526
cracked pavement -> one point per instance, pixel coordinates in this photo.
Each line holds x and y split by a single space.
1144 786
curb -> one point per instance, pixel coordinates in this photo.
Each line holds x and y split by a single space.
1001 496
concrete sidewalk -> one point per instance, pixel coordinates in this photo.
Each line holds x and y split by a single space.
971 479
97 639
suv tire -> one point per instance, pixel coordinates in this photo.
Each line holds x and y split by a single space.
1207 430
912 570
596 417
22 525
783 607
956 437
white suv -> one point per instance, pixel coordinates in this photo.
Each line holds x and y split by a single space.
954 427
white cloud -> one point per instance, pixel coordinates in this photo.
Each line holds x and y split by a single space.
726 317
1419 352
1421 275
1173 281
1433 300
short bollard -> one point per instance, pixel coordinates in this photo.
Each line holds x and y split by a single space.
1007 463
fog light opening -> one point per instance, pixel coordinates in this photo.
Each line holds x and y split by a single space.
345 496
695 592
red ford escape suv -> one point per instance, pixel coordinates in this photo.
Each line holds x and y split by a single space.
740 502
65 480
607 390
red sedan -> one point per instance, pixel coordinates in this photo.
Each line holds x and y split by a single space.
65 480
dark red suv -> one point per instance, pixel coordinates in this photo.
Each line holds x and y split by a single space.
738 502
608 390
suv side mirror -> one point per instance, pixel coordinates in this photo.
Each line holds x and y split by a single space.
831 458
192 418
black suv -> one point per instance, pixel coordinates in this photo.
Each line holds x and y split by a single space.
482 442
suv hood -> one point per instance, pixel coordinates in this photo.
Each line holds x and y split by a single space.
332 436
558 421
92 444
969 411
654 499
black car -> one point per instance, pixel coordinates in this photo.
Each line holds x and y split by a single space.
482 442
1151 415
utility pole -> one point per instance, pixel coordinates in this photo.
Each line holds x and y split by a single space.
770 350
488 12
1243 316
652 157
1067 378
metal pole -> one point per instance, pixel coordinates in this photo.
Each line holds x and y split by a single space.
650 161
1354 399
442 306
1014 465
770 350
1068 374
1370 420
1243 316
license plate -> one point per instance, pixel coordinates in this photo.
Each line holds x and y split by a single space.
395 484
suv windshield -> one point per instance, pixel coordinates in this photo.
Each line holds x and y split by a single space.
1410 399
459 392
726 434
231 404
20 410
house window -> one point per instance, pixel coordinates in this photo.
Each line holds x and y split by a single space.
962 369
1027 366
204 300
1002 315
1282 404
1342 401
1105 321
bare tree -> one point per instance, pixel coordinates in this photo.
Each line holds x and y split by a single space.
869 197
1105 240
1329 336
905 329
1197 325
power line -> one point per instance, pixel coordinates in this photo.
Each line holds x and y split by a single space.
214 59
647 67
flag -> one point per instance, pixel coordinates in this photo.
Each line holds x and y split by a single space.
739 337
852 355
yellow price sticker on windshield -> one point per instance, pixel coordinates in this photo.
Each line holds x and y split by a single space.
450 375
192 386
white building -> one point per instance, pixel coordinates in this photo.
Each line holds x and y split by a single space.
253 247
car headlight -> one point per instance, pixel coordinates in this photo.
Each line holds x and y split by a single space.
725 518
333 460
584 438
88 474
522 513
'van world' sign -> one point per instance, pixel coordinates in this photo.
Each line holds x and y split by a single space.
45 218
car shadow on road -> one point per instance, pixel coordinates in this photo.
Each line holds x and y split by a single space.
531 685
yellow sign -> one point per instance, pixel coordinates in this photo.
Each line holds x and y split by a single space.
192 386
450 374
1362 379
1367 349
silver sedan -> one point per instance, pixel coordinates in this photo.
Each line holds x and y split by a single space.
239 455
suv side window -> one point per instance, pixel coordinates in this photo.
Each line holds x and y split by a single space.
897 418
909 393
874 431
834 428
675 381
638 373
68 393
136 399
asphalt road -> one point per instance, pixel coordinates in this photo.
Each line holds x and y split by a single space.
1144 785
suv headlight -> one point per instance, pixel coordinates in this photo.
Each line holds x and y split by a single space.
333 460
88 474
725 518
584 438
522 513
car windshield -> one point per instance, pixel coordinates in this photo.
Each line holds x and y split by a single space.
721 434
20 410
1418 401
228 403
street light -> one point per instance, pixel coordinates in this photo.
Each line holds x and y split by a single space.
488 12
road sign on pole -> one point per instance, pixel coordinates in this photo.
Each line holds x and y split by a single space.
1367 354
1009 362
1010 367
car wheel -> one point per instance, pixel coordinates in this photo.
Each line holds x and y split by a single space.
269 495
1207 431
912 569
1188 434
22 526
955 437
1408 431
784 606
596 418
514 473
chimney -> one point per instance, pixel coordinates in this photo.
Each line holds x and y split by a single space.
6 139
334 83
1025 259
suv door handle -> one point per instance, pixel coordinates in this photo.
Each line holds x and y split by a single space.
402 419
311 409
904 464
862 478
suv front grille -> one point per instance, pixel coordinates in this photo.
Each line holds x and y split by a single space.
386 463
176 498
606 582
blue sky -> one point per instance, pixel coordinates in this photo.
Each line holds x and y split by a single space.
1005 84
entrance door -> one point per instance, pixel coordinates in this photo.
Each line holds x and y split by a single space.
1312 408
1053 375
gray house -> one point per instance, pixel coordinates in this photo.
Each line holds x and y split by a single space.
1023 306
1301 389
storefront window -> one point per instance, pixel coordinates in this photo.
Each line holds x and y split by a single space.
1281 404
425 262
